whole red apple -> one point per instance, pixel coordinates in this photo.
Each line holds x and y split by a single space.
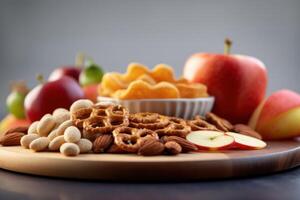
46 97
237 82
71 71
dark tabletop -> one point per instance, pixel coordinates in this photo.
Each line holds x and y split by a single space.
284 185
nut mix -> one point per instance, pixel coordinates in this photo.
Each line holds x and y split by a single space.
110 128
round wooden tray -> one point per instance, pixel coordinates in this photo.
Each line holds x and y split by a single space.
194 166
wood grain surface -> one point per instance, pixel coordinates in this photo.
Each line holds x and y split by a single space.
276 157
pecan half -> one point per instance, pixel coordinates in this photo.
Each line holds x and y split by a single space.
11 139
185 145
246 130
151 147
102 143
221 123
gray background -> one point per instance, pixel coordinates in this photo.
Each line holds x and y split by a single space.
37 36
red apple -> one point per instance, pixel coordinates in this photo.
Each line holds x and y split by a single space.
45 98
91 92
246 142
278 117
71 71
237 82
210 140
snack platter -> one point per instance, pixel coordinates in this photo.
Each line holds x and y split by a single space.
133 152
146 124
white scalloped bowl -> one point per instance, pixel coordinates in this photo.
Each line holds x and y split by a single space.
184 108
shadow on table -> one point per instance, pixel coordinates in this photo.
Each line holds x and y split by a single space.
275 186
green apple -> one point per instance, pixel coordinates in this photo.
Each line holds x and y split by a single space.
92 74
15 100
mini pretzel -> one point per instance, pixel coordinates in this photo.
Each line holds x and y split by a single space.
100 110
177 120
126 139
145 133
103 105
177 127
95 125
128 143
200 124
130 139
150 121
117 112
79 116
124 130
118 122
144 117
178 130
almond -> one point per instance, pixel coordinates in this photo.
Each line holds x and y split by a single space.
102 143
246 130
172 148
185 145
151 147
11 139
20 129
115 149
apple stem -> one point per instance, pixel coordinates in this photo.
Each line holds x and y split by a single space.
40 78
79 60
227 46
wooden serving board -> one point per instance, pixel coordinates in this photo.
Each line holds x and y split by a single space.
276 157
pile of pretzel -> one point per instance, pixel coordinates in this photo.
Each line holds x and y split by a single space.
113 129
